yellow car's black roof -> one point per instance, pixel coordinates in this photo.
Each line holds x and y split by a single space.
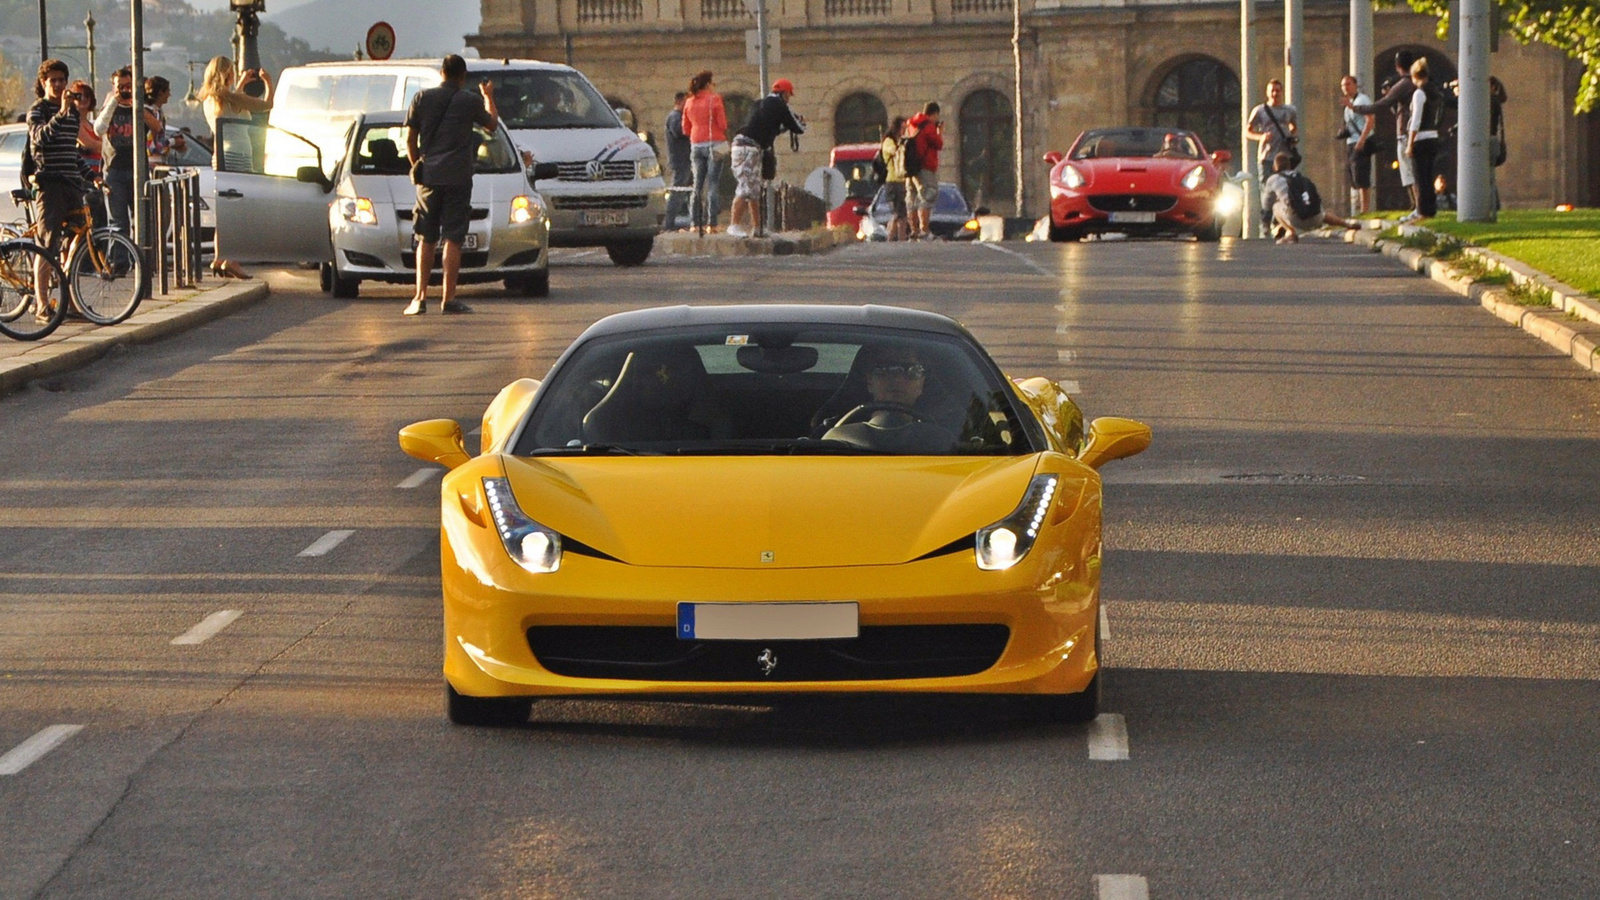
662 317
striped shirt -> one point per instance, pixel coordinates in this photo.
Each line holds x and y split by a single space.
53 140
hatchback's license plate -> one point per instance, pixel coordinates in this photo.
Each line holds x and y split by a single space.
470 242
768 621
1133 217
602 217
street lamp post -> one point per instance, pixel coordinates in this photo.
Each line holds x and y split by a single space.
247 52
87 47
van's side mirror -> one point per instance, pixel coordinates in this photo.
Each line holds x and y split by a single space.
544 170
313 175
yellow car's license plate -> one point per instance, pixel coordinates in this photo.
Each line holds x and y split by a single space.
768 621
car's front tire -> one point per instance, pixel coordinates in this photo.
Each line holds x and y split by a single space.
1059 234
341 286
1211 232
534 285
485 712
631 253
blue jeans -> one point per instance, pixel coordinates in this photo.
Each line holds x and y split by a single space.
678 201
707 178
121 185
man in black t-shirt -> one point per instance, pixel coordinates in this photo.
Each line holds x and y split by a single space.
770 118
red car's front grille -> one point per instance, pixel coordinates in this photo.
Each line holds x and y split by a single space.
1133 202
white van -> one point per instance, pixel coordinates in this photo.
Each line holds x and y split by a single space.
609 192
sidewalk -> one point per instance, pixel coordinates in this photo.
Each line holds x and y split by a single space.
77 343
1570 323
786 243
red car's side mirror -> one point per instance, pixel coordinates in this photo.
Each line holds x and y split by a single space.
1221 157
1052 157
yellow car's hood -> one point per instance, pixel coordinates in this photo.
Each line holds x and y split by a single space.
768 512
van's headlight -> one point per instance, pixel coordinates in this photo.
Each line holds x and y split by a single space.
358 210
531 545
524 209
1194 178
649 167
1004 544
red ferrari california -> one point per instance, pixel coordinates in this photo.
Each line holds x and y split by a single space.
1141 182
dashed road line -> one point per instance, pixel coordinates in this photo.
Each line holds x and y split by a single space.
1105 624
1025 261
29 751
207 628
1108 738
1066 356
418 478
1071 387
322 545
1121 887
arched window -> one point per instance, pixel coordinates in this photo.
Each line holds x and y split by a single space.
859 119
1201 95
988 151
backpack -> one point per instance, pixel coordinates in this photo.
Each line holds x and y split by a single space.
913 156
880 168
1303 197
29 164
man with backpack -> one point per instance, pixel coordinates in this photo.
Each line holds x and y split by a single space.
920 152
1294 203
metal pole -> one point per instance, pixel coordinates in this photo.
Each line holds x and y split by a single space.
1016 66
44 35
761 42
1294 27
88 24
1361 68
1250 214
141 159
1474 202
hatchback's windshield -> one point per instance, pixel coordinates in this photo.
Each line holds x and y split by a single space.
1137 142
776 389
381 150
531 98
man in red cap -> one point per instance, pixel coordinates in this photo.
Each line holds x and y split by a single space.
753 159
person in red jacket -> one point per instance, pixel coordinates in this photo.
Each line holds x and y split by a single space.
922 186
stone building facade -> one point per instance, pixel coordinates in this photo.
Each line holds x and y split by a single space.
1085 63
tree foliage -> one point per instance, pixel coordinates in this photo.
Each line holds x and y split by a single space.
1572 26
15 93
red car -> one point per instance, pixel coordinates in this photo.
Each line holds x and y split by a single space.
1138 181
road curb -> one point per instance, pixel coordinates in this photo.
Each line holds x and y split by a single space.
787 243
27 362
1570 325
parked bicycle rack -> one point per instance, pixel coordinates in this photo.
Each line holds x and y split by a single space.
173 199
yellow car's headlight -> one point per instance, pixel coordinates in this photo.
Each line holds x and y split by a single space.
531 545
1004 544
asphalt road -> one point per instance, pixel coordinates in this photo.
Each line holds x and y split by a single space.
1353 593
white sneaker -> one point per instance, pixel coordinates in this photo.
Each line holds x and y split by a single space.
737 231
1410 217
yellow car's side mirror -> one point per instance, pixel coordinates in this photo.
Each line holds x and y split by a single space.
435 441
1113 438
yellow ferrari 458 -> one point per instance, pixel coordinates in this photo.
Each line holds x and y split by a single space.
771 500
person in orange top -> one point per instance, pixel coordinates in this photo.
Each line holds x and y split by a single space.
706 123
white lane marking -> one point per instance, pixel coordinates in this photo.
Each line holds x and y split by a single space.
418 478
1025 261
1071 387
1121 887
1066 355
207 628
28 752
1105 624
327 542
1108 738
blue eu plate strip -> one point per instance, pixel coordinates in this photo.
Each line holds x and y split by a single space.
685 621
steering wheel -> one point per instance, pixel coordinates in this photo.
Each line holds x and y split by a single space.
867 409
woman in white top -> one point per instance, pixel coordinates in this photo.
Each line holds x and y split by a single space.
222 95
1422 140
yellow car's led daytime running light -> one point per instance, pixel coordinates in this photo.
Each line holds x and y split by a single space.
533 546
1004 544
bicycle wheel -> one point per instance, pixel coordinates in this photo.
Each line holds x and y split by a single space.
20 315
106 273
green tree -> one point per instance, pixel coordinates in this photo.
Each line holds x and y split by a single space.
1572 26
16 93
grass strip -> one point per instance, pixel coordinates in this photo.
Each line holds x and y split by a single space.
1560 244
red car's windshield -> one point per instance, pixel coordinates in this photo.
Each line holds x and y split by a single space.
1138 142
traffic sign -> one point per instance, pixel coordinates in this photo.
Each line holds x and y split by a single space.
752 47
380 41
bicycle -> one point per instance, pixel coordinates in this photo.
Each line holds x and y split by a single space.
20 315
105 274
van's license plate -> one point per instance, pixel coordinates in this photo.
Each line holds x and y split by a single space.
768 621
1133 217
602 217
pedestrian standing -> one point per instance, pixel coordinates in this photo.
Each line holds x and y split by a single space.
1397 100
60 173
440 136
707 125
921 158
222 95
1422 139
1359 144
91 147
679 159
157 91
114 124
894 180
770 118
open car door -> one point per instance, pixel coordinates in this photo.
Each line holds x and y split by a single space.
272 195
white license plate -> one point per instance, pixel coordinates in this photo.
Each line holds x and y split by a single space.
470 242
767 621
1133 217
602 217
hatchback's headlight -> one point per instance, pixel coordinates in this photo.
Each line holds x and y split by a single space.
1072 178
523 210
649 167
358 210
1004 544
1194 178
533 546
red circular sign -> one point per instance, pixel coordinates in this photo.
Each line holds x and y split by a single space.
380 41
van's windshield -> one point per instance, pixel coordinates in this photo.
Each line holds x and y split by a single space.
533 98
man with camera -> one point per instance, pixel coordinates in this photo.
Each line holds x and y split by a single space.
1396 99
59 172
114 124
753 159
1275 126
